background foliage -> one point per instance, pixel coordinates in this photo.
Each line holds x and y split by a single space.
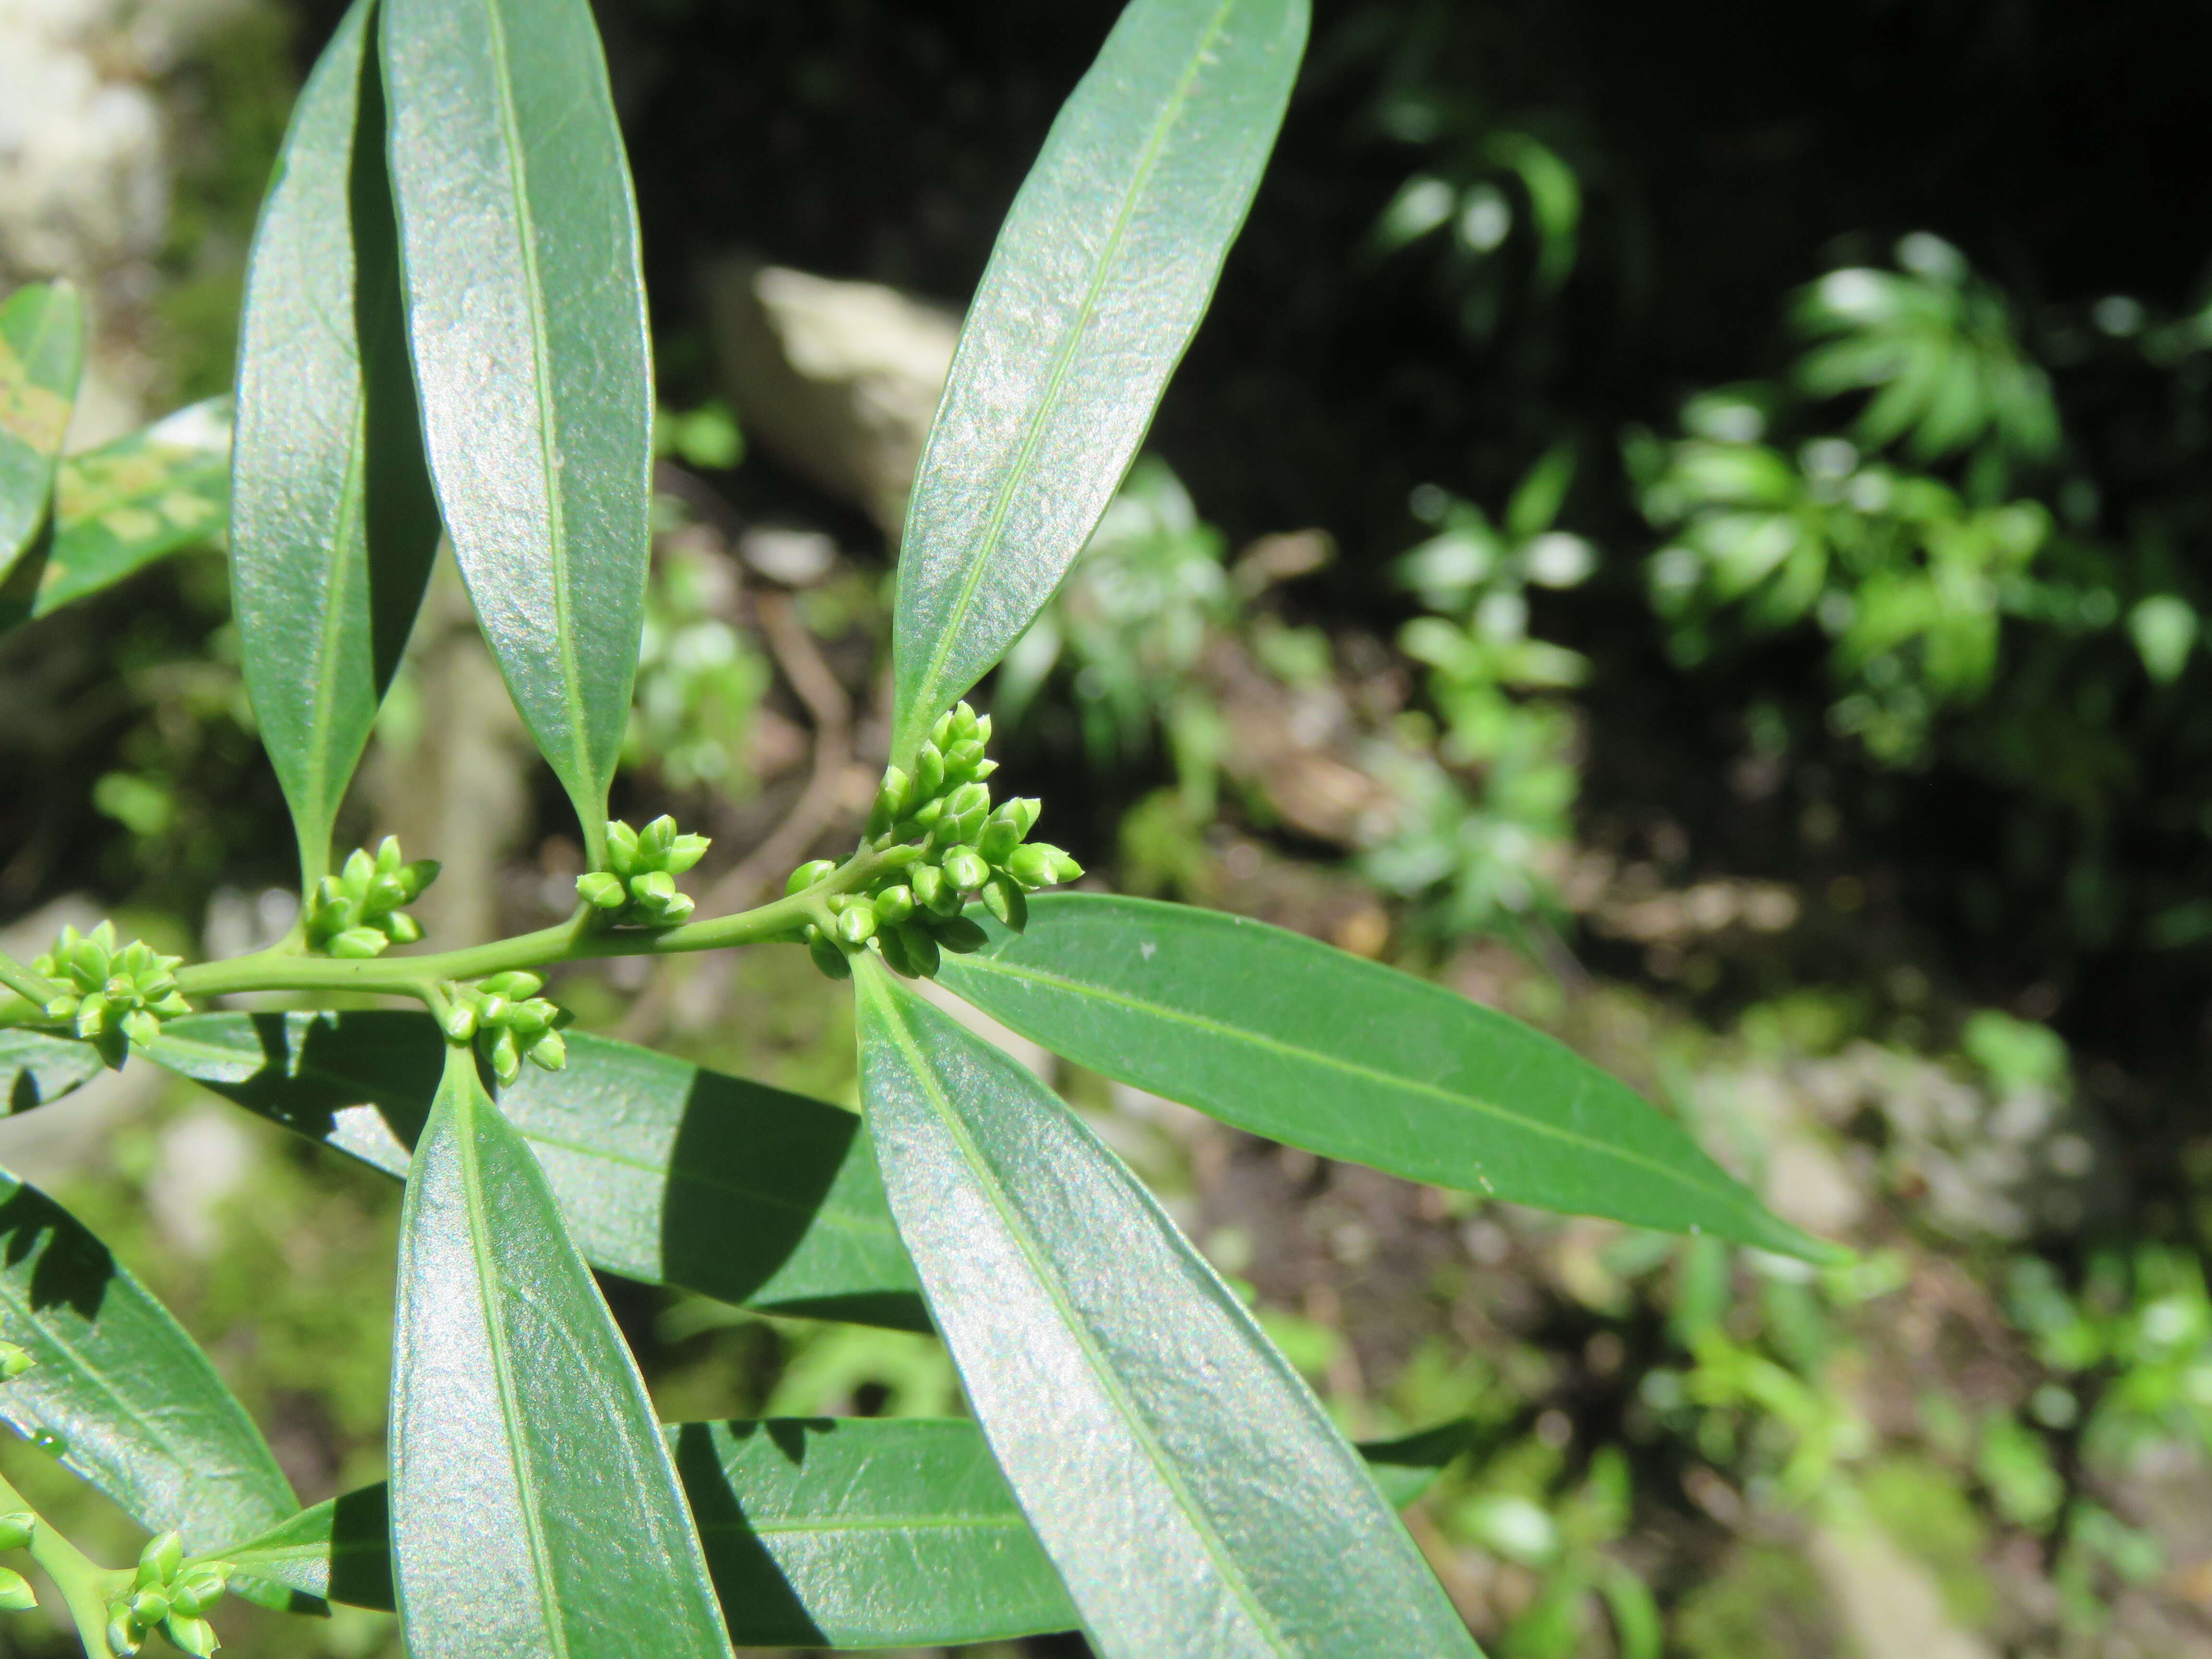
1684 523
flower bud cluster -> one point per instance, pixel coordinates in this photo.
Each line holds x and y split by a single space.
941 843
115 996
639 885
507 1019
167 1595
355 914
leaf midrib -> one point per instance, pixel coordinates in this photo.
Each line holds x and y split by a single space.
467 1106
1047 1278
948 633
1588 1143
549 446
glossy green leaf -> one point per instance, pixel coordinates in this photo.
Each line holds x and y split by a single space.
117 1391
41 356
122 506
666 1173
1100 275
1184 1480
534 1507
39 1066
1294 1040
333 525
527 310
819 1532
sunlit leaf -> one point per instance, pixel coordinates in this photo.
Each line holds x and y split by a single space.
117 1391
1186 1483
526 312
1294 1040
333 525
39 1066
666 1173
1101 273
41 354
820 1532
534 1508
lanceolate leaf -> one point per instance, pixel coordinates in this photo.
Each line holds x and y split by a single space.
1292 1039
1186 1483
820 1532
41 354
117 1390
534 1508
1098 279
121 507
526 311
666 1173
39 1066
333 525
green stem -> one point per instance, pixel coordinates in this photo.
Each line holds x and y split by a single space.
578 938
85 1586
34 988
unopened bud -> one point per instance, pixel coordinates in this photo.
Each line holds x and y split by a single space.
1002 898
460 1022
807 874
122 1635
965 869
149 1607
928 771
193 1636
998 839
856 923
358 944
550 1052
159 1561
16 1594
15 1530
895 904
505 1056
401 928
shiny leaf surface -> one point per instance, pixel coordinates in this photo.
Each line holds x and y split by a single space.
1187 1486
41 354
820 1532
526 314
333 525
1303 1043
666 1173
1099 277
117 1391
534 1508
38 1067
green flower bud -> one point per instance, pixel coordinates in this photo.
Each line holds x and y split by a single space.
926 883
965 869
530 1018
506 1055
928 771
401 929
15 1530
856 924
15 1593
962 759
1000 837
357 944
550 1052
141 1027
491 1008
460 1022
966 799
15 1360
685 852
602 890
622 847
895 904
159 1561
193 1636
122 1634
894 796
514 982
807 874
828 958
1037 865
92 1015
958 934
1002 898
357 872
63 1007
150 1607
921 949
656 838
386 892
